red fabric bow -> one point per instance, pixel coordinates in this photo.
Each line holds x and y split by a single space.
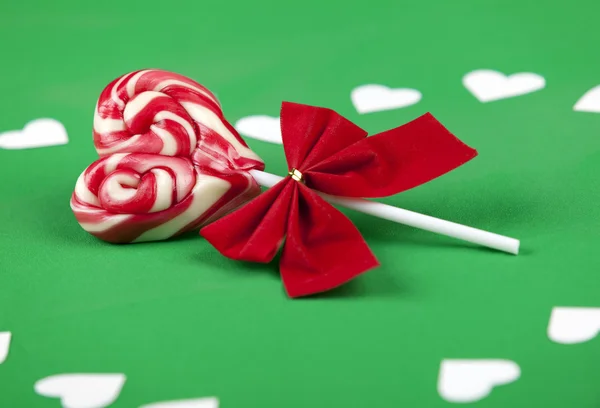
322 248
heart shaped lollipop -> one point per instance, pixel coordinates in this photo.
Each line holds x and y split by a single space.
169 161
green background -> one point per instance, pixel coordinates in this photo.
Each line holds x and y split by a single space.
181 321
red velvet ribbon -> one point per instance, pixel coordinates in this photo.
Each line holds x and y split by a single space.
322 249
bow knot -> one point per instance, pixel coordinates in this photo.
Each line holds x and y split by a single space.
297 175
321 248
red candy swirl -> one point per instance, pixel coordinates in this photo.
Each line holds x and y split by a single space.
169 161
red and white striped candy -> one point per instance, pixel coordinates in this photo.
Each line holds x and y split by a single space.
169 161
154 111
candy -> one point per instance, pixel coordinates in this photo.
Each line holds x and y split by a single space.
169 161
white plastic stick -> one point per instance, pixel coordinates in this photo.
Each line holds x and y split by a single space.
410 218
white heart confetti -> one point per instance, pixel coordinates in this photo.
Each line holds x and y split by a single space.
571 325
260 127
487 85
374 98
589 102
4 345
471 380
190 403
37 133
82 390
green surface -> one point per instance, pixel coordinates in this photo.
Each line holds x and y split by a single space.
180 321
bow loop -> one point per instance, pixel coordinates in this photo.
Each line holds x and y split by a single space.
311 134
323 248
254 233
392 161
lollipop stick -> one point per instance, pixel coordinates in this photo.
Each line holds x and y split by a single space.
410 218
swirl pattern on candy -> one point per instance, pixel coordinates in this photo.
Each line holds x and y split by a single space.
169 161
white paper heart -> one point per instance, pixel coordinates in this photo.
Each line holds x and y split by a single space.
82 390
571 325
374 98
589 102
190 403
488 85
37 133
4 345
471 380
260 127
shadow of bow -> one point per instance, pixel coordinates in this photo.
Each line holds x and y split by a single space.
376 283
